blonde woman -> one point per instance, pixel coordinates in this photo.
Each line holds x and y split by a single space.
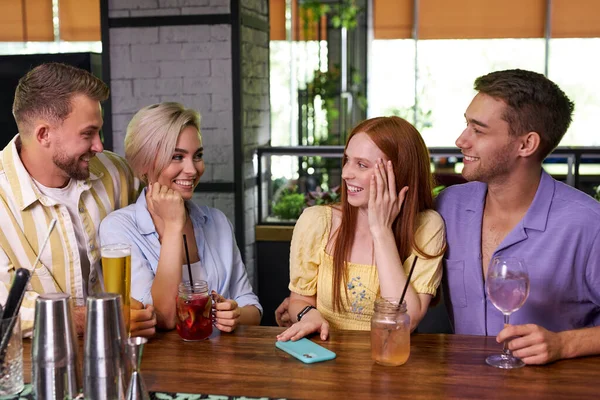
163 145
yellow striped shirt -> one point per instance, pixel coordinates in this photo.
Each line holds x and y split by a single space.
25 215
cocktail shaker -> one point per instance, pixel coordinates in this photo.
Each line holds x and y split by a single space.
106 364
55 367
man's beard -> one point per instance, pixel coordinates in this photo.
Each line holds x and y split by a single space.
71 166
496 167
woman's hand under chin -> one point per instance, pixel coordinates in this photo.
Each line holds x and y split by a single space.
166 207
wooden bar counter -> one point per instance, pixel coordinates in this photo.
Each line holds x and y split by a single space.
247 363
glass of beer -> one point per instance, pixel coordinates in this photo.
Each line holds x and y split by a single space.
116 270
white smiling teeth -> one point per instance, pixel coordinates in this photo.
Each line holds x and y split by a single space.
468 158
354 189
184 183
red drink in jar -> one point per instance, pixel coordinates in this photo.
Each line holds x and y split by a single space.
194 311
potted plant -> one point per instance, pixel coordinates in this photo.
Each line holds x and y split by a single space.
289 204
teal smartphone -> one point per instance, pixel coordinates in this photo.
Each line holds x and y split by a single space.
306 350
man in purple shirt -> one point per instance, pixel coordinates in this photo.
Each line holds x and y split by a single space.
511 207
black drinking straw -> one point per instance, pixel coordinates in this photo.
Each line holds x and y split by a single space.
412 268
187 257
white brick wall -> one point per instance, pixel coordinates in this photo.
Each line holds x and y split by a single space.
198 102
220 33
184 34
130 105
205 10
185 69
183 3
222 172
118 13
147 8
141 53
150 87
119 36
221 136
222 201
206 51
131 4
155 13
221 102
220 68
122 88
123 68
187 64
213 85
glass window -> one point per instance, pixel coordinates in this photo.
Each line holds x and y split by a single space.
446 72
10 48
573 64
391 85
292 66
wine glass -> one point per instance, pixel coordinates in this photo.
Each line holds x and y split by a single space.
507 286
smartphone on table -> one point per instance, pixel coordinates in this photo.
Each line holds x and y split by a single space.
306 350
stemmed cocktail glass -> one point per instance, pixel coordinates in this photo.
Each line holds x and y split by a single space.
507 286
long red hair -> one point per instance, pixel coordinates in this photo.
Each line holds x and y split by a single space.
403 145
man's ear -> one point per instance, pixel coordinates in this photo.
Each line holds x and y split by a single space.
41 133
529 144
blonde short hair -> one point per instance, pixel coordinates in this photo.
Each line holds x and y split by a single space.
152 136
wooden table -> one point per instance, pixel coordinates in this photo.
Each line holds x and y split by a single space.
247 363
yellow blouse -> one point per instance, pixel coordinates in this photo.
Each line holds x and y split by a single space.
311 268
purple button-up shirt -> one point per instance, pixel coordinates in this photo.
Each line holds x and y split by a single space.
559 240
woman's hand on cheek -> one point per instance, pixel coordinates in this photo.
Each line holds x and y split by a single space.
384 202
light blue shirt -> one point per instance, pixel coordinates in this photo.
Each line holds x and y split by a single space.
220 260
559 240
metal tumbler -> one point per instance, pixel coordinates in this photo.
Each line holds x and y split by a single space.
105 353
55 367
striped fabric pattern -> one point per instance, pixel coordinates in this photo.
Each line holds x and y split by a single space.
25 216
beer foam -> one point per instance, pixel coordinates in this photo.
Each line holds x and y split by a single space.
115 253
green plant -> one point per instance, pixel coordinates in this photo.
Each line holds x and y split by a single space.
278 184
319 196
424 119
327 84
436 190
290 204
597 195
343 14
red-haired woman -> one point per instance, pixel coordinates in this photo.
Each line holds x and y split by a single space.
344 256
